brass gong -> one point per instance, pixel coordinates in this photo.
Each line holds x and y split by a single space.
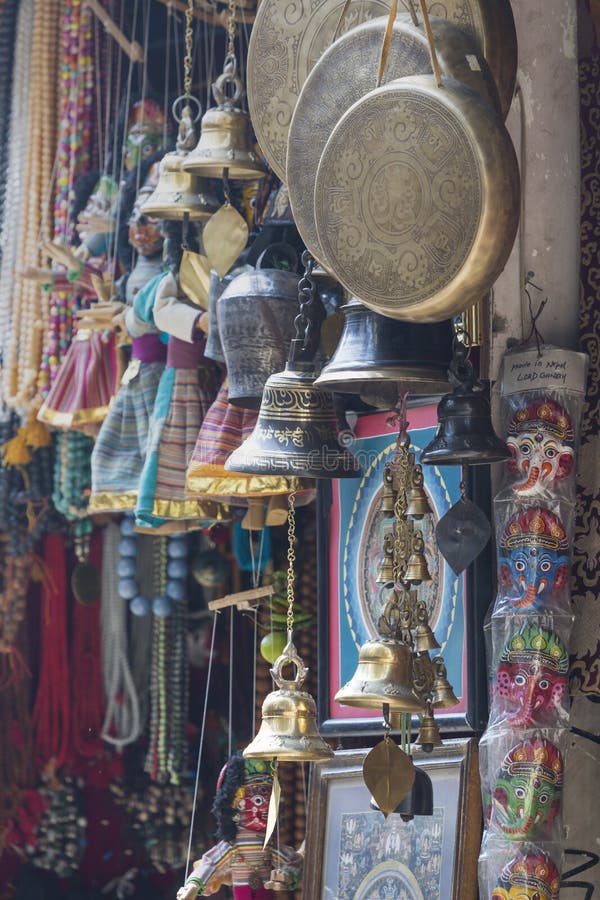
345 73
289 36
417 198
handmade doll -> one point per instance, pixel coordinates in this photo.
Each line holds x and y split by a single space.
241 809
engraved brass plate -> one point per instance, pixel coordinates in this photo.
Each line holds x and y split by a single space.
289 36
345 73
417 199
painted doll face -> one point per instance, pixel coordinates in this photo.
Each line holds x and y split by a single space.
541 442
528 789
531 876
144 231
99 208
531 681
145 133
534 557
252 805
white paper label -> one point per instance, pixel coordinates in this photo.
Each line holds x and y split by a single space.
554 370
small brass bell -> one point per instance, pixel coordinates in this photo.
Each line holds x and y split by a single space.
443 696
429 733
388 499
383 675
465 434
288 730
416 567
416 497
424 636
386 570
226 137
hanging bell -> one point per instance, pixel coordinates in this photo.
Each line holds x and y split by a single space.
418 801
386 572
296 431
383 675
226 137
417 569
416 497
429 733
388 499
288 730
376 353
423 635
442 695
465 434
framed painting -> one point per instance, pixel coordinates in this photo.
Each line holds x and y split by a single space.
351 530
354 853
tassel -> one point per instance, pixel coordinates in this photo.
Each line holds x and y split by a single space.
15 452
36 434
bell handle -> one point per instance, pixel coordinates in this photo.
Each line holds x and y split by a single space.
218 89
289 656
183 99
282 249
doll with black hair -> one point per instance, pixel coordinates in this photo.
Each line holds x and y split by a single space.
240 859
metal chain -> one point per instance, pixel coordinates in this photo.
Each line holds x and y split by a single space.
291 556
231 28
189 39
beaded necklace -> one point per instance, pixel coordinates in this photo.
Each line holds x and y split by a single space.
8 21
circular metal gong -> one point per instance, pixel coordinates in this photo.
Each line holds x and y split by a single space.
345 73
289 36
417 199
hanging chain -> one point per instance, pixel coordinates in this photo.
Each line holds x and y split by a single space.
231 28
189 38
291 556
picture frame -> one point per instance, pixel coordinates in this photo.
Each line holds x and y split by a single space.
349 541
352 850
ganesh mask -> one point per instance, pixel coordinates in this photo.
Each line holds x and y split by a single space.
541 440
527 789
531 680
534 557
529 876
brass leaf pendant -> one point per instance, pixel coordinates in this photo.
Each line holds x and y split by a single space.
389 774
225 235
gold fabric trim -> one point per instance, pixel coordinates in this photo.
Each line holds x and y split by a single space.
188 509
238 485
60 419
109 502
172 527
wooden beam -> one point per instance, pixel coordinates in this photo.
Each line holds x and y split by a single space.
243 600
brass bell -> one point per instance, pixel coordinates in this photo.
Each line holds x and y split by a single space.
383 675
416 497
386 571
465 434
424 636
442 695
225 138
296 431
388 499
416 567
179 192
288 730
376 353
429 733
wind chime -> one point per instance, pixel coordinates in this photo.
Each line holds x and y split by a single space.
395 671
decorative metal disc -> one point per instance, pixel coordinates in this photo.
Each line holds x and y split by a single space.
462 534
389 774
417 199
345 73
289 36
85 583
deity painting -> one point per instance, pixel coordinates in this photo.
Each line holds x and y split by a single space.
533 557
527 789
529 876
531 680
542 442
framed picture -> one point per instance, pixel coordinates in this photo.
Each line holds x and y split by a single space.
354 853
351 530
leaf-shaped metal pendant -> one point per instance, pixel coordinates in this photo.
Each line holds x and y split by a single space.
85 582
194 277
389 774
462 534
224 237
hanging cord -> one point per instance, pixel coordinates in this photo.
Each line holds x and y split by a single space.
230 715
434 60
201 745
533 331
291 558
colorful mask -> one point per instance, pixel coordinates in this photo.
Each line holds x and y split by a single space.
542 443
251 800
531 681
144 231
145 133
527 790
534 557
529 876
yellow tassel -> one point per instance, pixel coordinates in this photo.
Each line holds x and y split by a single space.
36 434
15 451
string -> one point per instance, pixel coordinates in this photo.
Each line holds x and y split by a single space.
201 745
255 611
167 74
230 718
434 60
534 331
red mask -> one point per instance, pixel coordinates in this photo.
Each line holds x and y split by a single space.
253 806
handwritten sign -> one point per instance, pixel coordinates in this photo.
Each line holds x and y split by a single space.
553 370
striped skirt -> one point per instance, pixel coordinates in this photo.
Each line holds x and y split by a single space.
120 449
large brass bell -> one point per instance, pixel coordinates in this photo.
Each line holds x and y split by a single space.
383 675
429 733
288 730
388 499
416 497
376 353
296 431
465 433
226 137
417 569
442 695
424 637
